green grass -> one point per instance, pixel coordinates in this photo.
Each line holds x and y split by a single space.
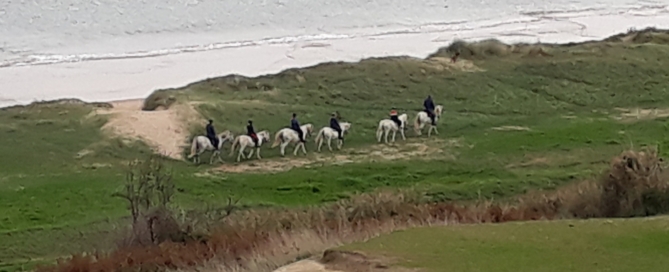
58 171
589 245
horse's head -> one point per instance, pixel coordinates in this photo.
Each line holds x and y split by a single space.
309 128
264 135
403 117
226 136
345 126
438 109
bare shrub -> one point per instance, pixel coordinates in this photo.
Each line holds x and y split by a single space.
149 190
157 100
481 49
631 185
263 239
634 185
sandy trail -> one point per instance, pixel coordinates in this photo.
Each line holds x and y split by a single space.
422 148
166 131
305 266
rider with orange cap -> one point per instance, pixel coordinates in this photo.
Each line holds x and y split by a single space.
393 116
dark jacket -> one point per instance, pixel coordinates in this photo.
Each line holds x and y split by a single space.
249 130
334 124
210 131
428 104
294 124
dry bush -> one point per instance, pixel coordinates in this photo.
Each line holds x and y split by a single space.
264 239
149 190
489 48
634 185
481 49
158 100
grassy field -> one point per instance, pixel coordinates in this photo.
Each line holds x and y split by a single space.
58 169
571 245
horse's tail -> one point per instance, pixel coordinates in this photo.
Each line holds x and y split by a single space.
234 145
277 139
416 122
319 136
193 148
379 130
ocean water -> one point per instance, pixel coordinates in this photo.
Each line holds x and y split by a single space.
102 50
56 31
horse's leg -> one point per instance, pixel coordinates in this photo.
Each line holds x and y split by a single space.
241 152
339 144
436 131
330 143
219 157
394 134
283 148
296 148
213 155
250 153
196 159
258 152
402 133
304 149
386 136
320 143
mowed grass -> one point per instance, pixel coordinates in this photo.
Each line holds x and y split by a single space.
58 170
570 245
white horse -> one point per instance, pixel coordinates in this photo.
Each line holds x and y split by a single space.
244 141
202 143
422 118
387 125
329 134
286 136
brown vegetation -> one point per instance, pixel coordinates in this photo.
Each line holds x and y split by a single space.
261 240
158 100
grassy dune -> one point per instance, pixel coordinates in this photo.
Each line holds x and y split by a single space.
590 245
572 108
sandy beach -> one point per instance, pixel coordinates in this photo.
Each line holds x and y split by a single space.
133 78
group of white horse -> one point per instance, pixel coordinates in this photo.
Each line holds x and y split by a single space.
286 136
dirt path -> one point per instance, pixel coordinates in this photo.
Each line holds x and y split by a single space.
411 149
305 266
639 114
343 261
166 131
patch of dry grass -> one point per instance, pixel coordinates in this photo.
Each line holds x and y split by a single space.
264 239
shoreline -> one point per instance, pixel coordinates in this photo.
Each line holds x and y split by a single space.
132 79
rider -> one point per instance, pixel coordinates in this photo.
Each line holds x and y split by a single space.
252 133
295 125
393 116
334 124
429 108
211 134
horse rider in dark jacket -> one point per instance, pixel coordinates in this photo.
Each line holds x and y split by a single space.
250 131
395 118
429 108
334 124
295 125
211 134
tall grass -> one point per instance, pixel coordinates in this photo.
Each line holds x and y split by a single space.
263 239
